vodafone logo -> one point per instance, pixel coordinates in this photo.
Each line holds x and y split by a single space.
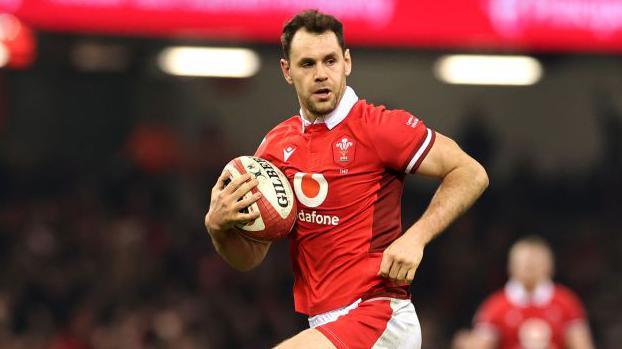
311 188
535 334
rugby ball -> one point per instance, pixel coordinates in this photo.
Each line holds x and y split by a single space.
277 206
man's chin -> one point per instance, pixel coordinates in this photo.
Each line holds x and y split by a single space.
322 108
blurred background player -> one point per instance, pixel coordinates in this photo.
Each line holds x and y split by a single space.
531 312
347 160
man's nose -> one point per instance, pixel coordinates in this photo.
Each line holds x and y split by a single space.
320 73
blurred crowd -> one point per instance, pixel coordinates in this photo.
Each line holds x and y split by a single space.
117 256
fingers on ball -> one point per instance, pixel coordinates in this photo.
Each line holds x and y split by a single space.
220 182
244 188
248 217
237 182
247 201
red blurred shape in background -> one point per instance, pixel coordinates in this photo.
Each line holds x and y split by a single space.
541 25
154 147
17 43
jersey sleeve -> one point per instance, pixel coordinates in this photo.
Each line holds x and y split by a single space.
573 308
488 316
401 140
271 146
266 149
261 149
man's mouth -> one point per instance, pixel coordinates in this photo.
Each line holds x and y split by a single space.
322 93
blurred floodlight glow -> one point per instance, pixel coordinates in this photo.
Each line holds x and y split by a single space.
488 70
209 62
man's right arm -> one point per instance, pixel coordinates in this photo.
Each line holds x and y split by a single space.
240 252
475 339
486 330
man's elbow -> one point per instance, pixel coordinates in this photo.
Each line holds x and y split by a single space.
244 267
480 177
242 264
249 260
238 264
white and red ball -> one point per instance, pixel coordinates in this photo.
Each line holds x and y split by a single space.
277 206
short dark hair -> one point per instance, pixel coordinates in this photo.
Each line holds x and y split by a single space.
532 240
313 21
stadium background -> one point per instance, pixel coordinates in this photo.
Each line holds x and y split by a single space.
106 165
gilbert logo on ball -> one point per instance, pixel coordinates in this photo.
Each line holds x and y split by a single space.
276 205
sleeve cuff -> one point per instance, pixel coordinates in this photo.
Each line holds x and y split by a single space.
421 152
576 322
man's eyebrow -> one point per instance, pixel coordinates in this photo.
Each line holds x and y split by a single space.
306 60
332 54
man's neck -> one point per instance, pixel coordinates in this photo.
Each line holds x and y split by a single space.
309 116
530 289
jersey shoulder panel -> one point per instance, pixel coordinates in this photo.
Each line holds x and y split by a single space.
373 114
400 139
276 135
492 309
573 307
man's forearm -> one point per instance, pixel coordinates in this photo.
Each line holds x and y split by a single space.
457 192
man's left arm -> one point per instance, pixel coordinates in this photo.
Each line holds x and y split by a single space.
578 336
463 180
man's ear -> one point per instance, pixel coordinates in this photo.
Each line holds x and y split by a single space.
348 60
285 70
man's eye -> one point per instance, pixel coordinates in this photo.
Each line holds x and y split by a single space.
331 61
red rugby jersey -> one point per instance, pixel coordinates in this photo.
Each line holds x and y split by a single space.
522 321
348 174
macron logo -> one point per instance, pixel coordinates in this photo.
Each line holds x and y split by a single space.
412 121
287 152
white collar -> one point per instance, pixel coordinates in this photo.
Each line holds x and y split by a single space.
348 100
518 295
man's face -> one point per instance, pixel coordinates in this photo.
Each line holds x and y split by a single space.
530 264
317 67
